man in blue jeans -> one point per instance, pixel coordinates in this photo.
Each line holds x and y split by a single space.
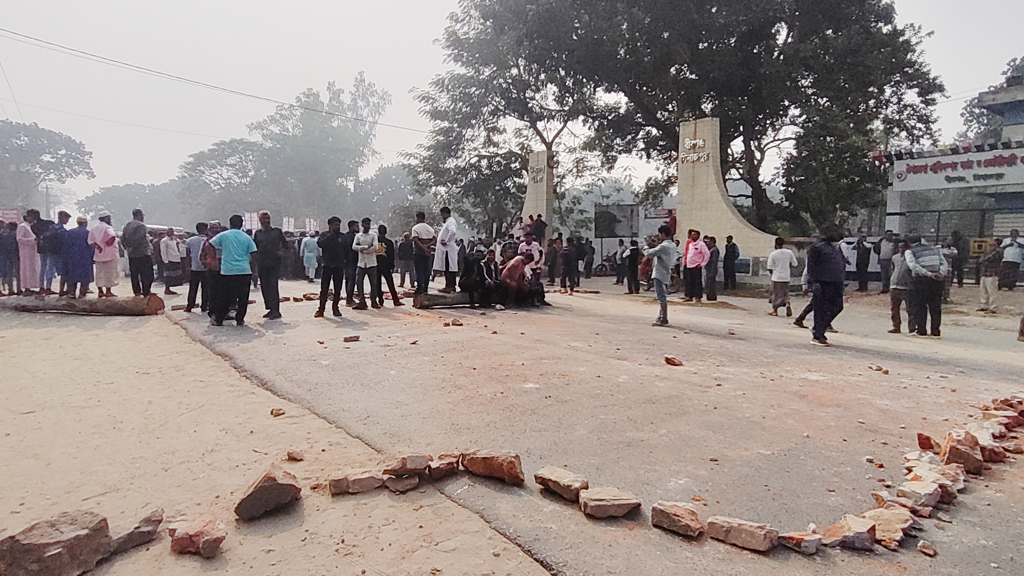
365 247
235 272
663 255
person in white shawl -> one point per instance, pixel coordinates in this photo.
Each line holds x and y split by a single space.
446 255
309 251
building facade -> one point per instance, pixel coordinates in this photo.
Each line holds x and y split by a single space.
976 188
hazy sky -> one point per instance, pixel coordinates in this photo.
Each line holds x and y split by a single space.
277 49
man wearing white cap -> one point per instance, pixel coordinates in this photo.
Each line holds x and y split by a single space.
77 255
104 240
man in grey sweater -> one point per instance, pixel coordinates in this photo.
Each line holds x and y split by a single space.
663 256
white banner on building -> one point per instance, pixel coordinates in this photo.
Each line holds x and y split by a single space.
994 168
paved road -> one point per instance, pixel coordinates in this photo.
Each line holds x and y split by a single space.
758 423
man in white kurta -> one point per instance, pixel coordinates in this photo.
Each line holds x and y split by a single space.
446 255
28 252
309 251
103 239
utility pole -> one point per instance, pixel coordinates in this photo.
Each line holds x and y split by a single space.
46 203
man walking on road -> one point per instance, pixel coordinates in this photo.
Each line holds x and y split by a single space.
236 248
446 258
365 246
333 246
270 247
929 268
826 269
780 264
351 264
309 253
663 256
885 249
422 239
135 239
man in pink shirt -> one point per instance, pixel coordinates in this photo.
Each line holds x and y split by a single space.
694 259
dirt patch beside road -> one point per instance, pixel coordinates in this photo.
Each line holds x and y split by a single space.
118 415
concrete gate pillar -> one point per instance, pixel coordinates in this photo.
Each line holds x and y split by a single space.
703 202
540 188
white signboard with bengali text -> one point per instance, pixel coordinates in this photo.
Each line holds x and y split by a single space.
994 168
10 215
288 224
250 221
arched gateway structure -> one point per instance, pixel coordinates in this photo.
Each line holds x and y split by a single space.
703 202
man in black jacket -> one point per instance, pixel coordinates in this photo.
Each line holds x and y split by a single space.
490 276
471 280
350 263
826 271
863 261
386 267
270 247
633 268
406 256
332 246
732 254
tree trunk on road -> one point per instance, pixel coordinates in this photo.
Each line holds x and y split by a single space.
135 306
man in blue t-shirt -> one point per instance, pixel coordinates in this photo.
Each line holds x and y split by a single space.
235 272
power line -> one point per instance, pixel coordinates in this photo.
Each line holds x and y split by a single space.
98 119
152 72
948 100
11 88
119 122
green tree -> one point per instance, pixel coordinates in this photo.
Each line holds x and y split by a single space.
374 196
227 177
830 174
402 216
980 124
761 66
304 159
162 203
31 155
489 113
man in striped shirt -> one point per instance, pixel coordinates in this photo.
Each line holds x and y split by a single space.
929 268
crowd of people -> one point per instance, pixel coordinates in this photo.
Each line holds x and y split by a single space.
219 264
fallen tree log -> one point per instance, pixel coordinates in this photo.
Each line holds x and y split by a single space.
440 300
134 306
